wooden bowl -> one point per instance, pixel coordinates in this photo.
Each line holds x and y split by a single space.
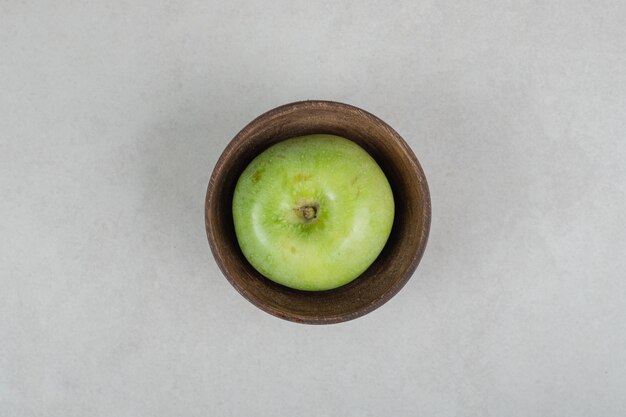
393 267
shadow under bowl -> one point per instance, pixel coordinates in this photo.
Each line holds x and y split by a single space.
404 248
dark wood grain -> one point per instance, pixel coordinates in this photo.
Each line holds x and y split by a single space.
406 244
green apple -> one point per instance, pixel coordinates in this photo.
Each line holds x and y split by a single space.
313 212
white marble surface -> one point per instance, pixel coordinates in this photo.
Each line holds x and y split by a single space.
113 113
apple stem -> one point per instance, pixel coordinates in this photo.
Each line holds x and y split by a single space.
307 212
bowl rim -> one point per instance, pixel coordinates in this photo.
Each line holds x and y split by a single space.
423 232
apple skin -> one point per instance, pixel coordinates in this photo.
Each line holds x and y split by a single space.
313 212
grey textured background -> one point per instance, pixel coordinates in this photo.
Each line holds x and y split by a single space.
113 114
